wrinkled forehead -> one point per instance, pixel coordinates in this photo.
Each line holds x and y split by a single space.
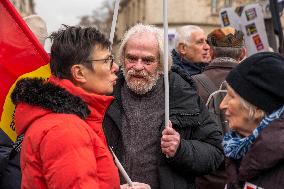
143 38
142 42
197 35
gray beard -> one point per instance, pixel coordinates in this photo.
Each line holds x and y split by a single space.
141 85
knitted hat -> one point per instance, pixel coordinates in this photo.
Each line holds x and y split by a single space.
259 79
38 27
226 37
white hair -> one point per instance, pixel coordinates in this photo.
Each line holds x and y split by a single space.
248 106
252 109
183 34
141 28
38 27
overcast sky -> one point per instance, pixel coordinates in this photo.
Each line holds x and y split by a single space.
57 12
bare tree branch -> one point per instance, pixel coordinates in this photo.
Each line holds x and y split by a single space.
101 18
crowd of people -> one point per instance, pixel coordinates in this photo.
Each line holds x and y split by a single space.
93 106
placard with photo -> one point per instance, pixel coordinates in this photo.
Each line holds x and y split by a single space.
249 19
225 18
258 43
251 29
251 14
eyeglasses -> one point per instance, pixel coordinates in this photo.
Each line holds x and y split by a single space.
105 60
147 60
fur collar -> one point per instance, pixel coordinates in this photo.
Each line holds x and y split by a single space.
38 92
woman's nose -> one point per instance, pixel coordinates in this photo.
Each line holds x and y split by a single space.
115 68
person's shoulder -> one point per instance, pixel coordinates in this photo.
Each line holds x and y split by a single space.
180 76
183 89
220 64
58 127
60 121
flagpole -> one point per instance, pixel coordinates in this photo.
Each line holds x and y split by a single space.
166 52
114 19
111 36
121 169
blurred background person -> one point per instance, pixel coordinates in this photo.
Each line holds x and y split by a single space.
254 109
191 51
227 50
38 27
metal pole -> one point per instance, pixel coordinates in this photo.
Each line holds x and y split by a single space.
166 71
277 23
114 19
111 36
121 169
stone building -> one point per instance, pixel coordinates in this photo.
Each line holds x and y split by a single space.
203 13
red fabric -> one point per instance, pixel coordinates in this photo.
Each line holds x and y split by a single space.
62 151
20 51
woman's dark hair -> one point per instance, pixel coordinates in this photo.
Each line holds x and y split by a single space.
74 45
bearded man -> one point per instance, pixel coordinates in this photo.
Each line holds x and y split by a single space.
165 158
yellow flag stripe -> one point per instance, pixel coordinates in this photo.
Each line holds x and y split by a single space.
7 123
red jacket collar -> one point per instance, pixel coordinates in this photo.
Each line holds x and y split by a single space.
98 104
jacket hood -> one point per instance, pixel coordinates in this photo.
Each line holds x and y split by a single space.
36 97
224 60
222 63
42 97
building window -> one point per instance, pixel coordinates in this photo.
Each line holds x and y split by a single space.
214 7
228 3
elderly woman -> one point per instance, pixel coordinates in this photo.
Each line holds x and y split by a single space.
64 144
253 106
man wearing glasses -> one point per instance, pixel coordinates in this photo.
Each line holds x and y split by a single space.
164 158
191 51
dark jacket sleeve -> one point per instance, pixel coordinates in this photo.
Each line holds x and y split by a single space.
10 173
200 150
6 146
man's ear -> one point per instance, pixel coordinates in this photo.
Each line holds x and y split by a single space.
211 52
243 54
78 73
181 48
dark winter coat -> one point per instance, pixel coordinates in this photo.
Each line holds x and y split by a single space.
10 175
263 164
217 71
200 148
191 68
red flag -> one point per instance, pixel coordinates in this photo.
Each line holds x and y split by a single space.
21 55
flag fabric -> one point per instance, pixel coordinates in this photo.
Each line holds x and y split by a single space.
21 55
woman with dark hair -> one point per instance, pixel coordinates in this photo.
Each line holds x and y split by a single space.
254 107
64 144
